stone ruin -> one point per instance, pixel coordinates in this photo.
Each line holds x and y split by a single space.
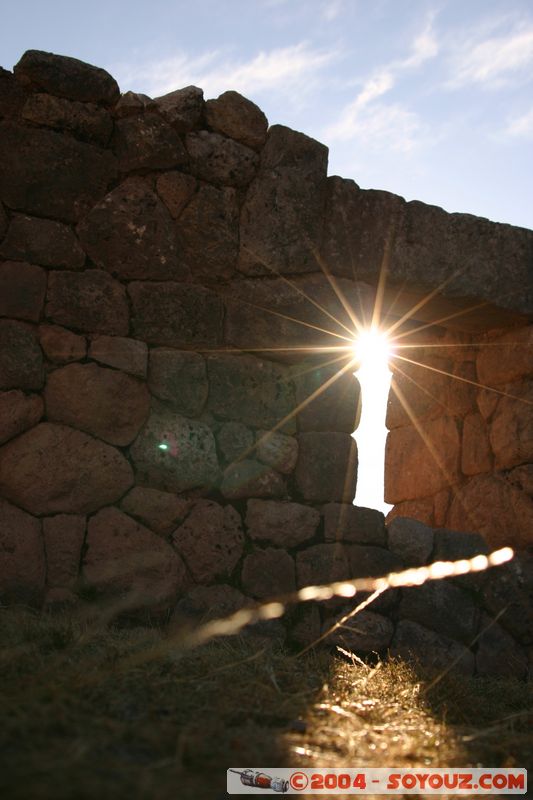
175 278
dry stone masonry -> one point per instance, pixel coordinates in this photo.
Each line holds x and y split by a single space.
174 278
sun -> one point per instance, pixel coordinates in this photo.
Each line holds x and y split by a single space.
372 349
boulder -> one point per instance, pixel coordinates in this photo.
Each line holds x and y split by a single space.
68 77
442 607
366 632
12 95
130 234
53 469
22 564
433 652
249 478
176 314
147 142
476 455
410 540
175 190
22 290
328 396
3 224
18 412
179 378
160 511
63 535
86 121
210 540
522 478
36 160
305 624
511 427
131 103
103 402
277 450
268 573
205 603
234 440
186 460
348 523
90 301
282 524
125 558
42 241
456 545
498 655
421 510
282 214
183 108
21 359
235 116
505 596
326 470
321 564
507 358
219 160
60 345
129 355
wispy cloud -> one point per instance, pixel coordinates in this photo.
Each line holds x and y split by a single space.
332 9
494 61
284 69
521 126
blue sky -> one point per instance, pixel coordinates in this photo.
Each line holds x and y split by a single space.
430 100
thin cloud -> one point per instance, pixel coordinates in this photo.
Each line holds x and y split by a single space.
494 61
332 9
522 126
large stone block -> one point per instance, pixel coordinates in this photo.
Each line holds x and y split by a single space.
21 358
507 358
42 241
442 607
103 402
22 564
326 470
53 469
476 455
176 314
60 345
64 76
248 389
249 478
366 632
125 558
187 460
180 378
50 174
208 234
86 121
435 653
175 190
411 540
511 427
130 234
237 117
348 523
129 355
210 540
18 412
63 535
419 463
12 95
282 524
147 142
282 215
205 603
367 561
277 450
268 573
498 654
234 441
22 290
3 223
328 396
220 160
183 108
90 301
160 511
321 564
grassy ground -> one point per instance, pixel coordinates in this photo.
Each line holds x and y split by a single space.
93 712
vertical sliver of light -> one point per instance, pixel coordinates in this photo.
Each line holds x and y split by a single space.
374 377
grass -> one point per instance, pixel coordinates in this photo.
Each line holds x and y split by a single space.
108 712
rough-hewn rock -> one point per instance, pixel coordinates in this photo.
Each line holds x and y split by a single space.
487 400
132 103
90 301
100 401
131 235
129 355
511 429
188 459
454 545
12 96
21 359
304 624
22 290
489 505
505 596
268 573
507 358
179 378
522 478
348 523
277 450
435 653
234 440
282 524
18 412
210 540
497 652
147 142
220 160
53 469
417 467
367 561
208 234
204 603
249 478
160 511
60 345
336 403
411 540
442 607
22 564
42 241
237 117
476 454
36 159
175 190
86 121
183 108
367 632
420 509
123 557
320 564
63 539
3 224
176 314
68 77
281 217
326 470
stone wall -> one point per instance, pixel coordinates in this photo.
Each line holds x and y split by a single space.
179 282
